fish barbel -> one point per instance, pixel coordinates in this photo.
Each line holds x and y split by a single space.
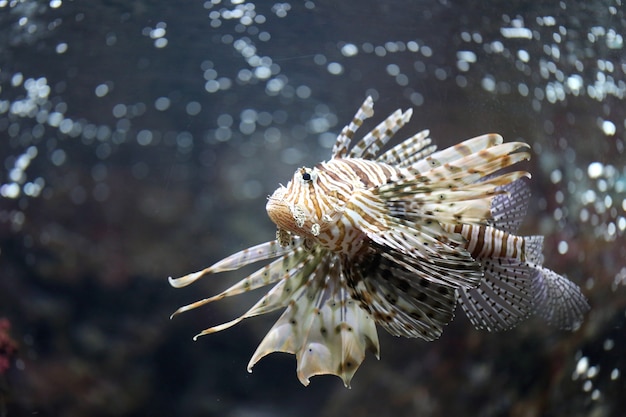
395 239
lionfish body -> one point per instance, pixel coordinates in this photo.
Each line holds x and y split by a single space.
396 239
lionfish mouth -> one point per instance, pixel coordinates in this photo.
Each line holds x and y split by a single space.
279 210
398 239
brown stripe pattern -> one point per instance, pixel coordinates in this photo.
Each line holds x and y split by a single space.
395 239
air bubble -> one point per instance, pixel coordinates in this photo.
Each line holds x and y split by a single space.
595 169
101 90
523 55
193 108
144 137
162 103
335 68
608 128
58 157
349 50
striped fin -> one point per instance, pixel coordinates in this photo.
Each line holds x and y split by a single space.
423 189
515 282
324 327
503 298
370 145
409 151
558 300
237 260
479 165
432 257
509 209
466 170
279 296
280 268
340 149
340 335
399 295
444 203
534 249
458 151
453 176
437 252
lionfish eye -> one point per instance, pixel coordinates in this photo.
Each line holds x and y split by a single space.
307 175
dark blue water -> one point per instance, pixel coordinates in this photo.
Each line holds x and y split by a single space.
139 140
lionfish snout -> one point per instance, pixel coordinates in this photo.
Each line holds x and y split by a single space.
280 211
288 208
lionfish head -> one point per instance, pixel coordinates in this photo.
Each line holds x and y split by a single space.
297 208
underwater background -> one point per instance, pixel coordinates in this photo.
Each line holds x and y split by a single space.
139 140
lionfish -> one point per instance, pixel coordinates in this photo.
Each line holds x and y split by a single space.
395 239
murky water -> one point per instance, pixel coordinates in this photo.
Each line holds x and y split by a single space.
139 140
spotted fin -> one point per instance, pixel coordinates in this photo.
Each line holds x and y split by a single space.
409 151
342 144
503 298
508 209
557 299
445 202
431 256
450 185
471 168
292 282
324 327
431 252
261 252
370 145
458 151
399 294
269 274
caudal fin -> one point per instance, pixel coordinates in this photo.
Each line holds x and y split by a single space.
557 299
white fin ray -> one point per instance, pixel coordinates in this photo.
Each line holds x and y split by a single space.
261 252
342 144
370 145
443 264
401 298
460 172
458 151
409 151
435 254
327 331
341 334
509 208
504 297
273 300
423 238
280 268
278 297
558 300
467 204
471 168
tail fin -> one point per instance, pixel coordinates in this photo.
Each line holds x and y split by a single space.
557 299
512 288
533 249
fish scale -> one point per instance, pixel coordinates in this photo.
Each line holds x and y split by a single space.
395 240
